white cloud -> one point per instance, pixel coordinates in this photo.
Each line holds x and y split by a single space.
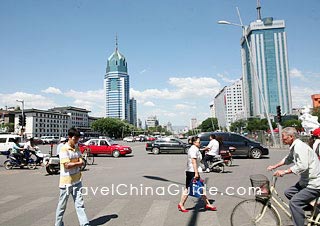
184 107
143 71
226 79
295 73
30 100
52 90
149 104
183 88
301 96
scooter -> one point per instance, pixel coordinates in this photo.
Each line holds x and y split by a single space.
216 164
14 162
39 156
52 164
227 156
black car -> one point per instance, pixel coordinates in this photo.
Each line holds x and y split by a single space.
243 145
167 145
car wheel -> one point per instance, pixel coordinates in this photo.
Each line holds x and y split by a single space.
255 153
186 150
156 151
116 154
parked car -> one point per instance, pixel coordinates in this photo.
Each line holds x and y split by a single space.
243 145
168 145
129 139
7 141
49 139
105 146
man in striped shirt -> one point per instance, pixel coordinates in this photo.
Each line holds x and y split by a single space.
70 179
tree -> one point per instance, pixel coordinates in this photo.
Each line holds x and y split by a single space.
237 126
112 127
255 124
210 124
316 112
293 123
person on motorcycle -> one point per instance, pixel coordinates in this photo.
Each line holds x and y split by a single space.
63 141
212 150
29 146
16 150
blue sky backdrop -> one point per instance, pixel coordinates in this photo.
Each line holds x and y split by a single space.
54 53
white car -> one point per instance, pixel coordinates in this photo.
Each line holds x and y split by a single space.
128 139
49 139
7 141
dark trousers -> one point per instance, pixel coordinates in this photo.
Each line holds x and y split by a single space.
18 157
300 198
206 159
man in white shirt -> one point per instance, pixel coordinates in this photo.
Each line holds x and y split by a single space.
212 151
307 165
63 141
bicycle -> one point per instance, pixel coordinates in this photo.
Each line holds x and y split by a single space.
261 211
89 158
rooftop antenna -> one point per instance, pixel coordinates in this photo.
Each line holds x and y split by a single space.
116 42
259 9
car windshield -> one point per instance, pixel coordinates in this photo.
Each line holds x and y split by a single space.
111 142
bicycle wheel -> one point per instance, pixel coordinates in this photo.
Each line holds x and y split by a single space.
248 211
90 159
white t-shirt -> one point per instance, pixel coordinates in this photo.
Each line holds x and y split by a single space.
193 153
315 144
213 147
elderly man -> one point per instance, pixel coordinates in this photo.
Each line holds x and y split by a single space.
306 164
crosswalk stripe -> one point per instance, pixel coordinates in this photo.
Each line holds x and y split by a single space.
8 198
156 213
51 216
22 209
114 207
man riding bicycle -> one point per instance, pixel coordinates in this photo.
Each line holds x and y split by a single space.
307 165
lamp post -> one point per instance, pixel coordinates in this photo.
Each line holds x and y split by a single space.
253 68
22 102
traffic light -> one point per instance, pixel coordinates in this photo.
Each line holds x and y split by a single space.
279 113
24 120
20 120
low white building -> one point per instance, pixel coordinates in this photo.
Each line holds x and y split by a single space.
43 123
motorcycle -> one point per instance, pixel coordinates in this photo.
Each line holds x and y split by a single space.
52 164
14 162
215 164
227 156
39 156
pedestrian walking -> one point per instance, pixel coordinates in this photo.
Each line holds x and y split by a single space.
306 164
192 172
70 179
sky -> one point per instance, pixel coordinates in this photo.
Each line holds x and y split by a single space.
54 53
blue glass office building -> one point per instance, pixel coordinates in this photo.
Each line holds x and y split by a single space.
268 43
116 86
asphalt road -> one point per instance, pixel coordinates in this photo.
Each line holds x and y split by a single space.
29 197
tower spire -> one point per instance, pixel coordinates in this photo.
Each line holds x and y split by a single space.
258 9
116 42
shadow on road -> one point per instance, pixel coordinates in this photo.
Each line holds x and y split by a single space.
161 179
102 220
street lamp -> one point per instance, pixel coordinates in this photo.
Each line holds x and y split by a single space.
254 69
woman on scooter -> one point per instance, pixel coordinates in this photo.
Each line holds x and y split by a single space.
192 172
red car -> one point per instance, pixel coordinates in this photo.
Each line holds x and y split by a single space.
105 146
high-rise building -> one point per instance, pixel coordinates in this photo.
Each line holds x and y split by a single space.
133 112
152 121
315 100
212 109
229 104
116 86
193 123
268 43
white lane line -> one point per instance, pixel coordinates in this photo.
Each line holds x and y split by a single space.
50 218
156 214
9 215
8 199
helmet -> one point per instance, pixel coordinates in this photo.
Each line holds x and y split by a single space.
316 132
